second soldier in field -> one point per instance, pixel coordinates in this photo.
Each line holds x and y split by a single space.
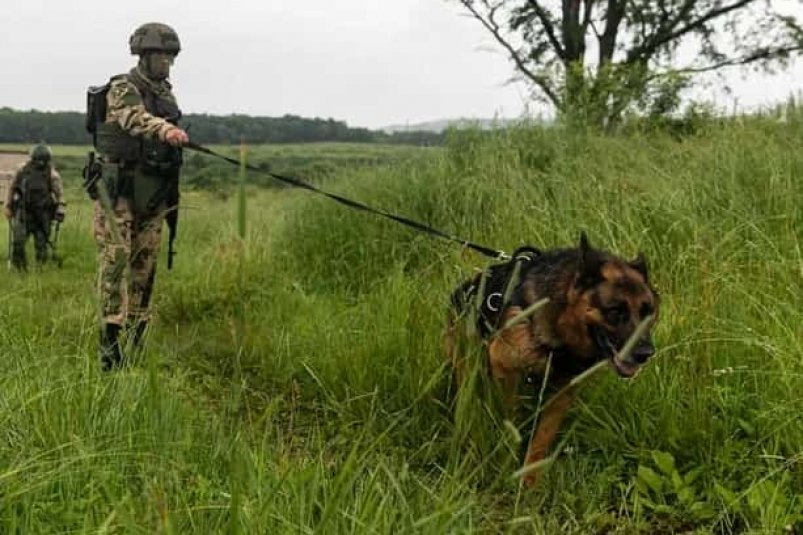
134 120
35 200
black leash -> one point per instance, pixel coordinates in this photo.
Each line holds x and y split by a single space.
56 258
487 251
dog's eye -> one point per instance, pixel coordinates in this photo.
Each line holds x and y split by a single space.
617 314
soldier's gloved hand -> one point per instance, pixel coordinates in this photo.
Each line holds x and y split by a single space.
8 213
177 137
60 214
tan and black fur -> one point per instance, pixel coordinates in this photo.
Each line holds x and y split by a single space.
596 301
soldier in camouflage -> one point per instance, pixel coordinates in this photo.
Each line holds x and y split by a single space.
35 199
139 149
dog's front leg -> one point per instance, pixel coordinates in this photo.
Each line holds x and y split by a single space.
509 383
505 370
546 430
512 352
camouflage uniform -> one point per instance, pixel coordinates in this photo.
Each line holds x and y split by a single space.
35 197
140 170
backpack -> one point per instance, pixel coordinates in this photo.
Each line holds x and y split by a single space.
35 187
95 108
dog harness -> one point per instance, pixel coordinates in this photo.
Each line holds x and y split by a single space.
496 282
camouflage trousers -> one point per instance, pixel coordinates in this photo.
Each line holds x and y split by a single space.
127 252
25 223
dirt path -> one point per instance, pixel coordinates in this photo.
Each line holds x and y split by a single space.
9 161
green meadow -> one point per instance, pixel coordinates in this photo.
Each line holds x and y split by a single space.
293 380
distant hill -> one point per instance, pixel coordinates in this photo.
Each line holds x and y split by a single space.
442 124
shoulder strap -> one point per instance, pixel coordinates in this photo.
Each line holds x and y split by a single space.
149 98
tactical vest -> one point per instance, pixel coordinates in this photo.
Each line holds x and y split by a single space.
34 184
143 163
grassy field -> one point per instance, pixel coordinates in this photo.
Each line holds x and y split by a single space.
293 381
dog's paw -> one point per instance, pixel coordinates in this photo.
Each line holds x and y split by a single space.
530 481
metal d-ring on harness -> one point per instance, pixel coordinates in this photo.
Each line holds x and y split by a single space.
500 281
490 306
487 251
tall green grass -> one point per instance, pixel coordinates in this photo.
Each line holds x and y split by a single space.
294 380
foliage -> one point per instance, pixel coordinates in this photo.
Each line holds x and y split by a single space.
593 60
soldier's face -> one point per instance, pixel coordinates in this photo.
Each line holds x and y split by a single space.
157 64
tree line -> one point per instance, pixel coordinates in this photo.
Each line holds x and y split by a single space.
67 128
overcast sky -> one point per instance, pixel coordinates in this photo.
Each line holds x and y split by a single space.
369 62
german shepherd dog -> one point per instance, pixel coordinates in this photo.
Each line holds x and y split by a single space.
595 302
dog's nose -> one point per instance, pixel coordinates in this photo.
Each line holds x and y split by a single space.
643 351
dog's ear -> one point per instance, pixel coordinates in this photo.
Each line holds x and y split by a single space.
640 264
589 265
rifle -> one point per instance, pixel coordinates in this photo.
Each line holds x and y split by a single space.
14 206
10 244
169 195
56 257
171 218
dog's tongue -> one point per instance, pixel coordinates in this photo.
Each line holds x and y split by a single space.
624 369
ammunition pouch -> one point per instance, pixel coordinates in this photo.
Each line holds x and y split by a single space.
39 204
114 179
160 158
149 192
114 182
34 188
114 143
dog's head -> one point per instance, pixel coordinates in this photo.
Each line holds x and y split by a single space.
608 299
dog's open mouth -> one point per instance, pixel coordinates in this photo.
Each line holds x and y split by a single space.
625 368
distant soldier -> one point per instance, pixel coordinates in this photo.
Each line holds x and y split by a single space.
138 142
35 199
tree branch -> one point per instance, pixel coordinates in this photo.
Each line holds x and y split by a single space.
589 8
663 36
735 62
573 36
492 26
549 28
607 41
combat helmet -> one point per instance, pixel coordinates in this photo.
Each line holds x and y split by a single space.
41 153
154 36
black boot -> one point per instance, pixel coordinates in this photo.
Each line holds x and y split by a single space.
18 260
111 355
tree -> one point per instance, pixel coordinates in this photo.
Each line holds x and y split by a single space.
595 59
